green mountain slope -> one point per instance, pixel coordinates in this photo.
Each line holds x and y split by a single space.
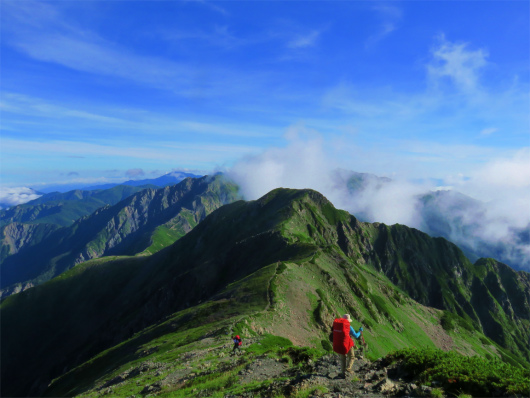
286 264
126 228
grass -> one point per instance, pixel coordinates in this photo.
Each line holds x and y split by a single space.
437 393
163 237
311 391
315 278
460 374
269 343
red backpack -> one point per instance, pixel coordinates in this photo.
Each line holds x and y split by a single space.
342 342
239 340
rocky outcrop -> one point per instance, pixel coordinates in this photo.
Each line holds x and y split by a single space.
16 236
123 229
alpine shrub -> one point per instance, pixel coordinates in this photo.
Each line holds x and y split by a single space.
458 374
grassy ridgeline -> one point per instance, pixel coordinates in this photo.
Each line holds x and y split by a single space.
321 264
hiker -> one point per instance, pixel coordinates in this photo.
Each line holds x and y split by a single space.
237 344
343 343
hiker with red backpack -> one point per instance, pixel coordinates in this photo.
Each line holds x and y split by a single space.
237 344
343 343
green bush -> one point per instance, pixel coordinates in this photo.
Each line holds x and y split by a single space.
326 345
447 321
460 374
437 393
269 343
302 354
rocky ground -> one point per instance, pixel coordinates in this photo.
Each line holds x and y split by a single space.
368 379
269 376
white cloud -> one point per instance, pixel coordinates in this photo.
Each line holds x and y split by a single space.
301 164
16 196
457 63
43 32
502 185
306 162
499 174
489 131
390 16
97 56
219 36
198 155
30 106
304 40
211 5
123 119
134 173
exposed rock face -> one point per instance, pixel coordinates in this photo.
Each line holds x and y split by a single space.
14 289
123 229
64 209
17 235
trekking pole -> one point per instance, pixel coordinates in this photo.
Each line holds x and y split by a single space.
364 342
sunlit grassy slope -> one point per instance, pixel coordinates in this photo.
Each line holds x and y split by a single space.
286 264
286 299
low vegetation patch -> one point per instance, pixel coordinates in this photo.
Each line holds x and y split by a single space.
450 321
269 343
302 354
458 374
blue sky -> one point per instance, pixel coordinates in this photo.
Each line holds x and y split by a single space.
93 91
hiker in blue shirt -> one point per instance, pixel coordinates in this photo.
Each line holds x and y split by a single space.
353 333
343 344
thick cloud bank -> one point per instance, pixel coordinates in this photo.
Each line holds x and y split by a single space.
16 196
487 213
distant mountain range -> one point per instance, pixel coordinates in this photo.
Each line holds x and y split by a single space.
149 219
171 178
444 213
285 264
33 238
64 209
162 181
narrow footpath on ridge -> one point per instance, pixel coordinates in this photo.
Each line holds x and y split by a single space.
265 375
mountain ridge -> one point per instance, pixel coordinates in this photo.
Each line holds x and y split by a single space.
297 238
125 228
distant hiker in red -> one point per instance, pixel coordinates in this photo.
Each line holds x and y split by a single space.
237 344
343 343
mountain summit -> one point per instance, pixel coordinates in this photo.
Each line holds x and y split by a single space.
286 264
